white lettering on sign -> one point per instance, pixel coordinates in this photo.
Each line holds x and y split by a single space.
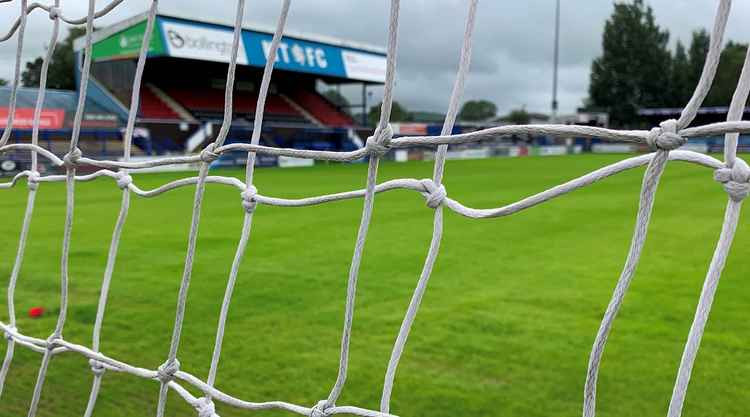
198 42
304 56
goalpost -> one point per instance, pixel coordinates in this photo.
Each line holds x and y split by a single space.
733 174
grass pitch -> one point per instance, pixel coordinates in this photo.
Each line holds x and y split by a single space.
505 327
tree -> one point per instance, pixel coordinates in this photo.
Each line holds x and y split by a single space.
398 113
476 110
30 76
61 73
727 75
697 55
634 66
682 82
3 82
518 117
338 100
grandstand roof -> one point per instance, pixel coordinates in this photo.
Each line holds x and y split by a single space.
182 37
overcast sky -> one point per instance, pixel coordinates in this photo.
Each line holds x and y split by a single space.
512 60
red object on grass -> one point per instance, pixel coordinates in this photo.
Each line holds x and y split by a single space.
35 312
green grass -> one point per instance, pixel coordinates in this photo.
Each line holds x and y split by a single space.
505 327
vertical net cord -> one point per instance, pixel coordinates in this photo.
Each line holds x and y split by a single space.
248 204
16 76
437 232
171 366
369 199
70 166
32 189
724 244
123 182
648 190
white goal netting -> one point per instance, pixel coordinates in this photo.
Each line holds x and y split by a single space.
733 174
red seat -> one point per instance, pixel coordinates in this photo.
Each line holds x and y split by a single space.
322 109
153 108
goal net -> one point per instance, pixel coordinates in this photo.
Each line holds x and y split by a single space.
732 173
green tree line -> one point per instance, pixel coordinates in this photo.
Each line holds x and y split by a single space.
637 69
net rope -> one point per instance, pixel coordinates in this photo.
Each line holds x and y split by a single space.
733 174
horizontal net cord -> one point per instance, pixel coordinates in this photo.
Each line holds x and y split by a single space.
403 184
62 346
489 134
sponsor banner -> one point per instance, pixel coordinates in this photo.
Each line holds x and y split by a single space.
473 153
8 165
200 41
94 120
314 57
263 160
289 162
127 44
209 42
24 118
363 66
695 147
295 54
612 148
551 150
410 128
401 155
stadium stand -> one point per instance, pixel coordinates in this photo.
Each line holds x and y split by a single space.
178 107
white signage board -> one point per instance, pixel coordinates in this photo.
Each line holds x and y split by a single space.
199 42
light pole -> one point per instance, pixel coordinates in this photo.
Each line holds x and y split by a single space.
553 116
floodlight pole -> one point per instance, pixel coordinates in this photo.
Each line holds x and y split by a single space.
364 104
553 116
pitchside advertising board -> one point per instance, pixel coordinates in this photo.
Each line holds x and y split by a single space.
24 118
208 42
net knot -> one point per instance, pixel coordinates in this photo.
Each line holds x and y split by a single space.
248 198
208 155
736 180
7 332
380 142
665 136
97 367
165 372
70 160
205 407
53 341
321 409
123 180
54 13
435 194
33 180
